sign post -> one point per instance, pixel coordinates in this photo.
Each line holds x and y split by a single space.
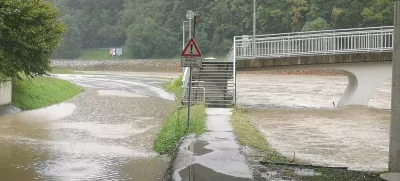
191 57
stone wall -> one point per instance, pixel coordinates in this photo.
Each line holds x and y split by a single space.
5 93
158 65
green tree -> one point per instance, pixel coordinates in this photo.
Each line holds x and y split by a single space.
298 9
379 13
29 35
146 39
108 23
315 25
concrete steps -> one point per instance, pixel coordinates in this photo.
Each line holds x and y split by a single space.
213 83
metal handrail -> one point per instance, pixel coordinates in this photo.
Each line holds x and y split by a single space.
316 42
201 88
229 56
323 31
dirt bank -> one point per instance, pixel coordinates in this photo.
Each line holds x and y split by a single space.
152 65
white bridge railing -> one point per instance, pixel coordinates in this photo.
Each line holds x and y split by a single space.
341 41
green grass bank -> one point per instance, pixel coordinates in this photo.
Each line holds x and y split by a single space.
248 135
34 93
175 126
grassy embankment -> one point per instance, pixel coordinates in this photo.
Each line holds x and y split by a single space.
249 136
29 94
175 127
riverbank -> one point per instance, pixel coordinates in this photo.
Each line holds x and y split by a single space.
145 65
38 92
268 164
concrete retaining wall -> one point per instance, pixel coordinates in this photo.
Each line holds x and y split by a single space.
310 60
5 93
152 65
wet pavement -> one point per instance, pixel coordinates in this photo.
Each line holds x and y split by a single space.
105 133
296 115
215 155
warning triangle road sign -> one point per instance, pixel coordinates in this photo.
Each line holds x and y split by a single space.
191 49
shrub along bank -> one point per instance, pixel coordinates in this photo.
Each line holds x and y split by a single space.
175 127
38 92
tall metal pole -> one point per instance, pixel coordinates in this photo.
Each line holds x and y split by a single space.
190 28
254 30
183 34
394 145
190 96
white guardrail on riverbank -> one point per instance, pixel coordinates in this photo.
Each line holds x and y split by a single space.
5 93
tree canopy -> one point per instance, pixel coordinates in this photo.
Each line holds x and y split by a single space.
146 27
29 35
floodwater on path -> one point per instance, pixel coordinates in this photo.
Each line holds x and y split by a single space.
104 133
296 115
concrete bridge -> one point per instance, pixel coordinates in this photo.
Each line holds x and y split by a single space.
364 54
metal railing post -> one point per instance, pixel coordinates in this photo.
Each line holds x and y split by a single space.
234 70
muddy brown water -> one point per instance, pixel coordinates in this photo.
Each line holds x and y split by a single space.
297 116
105 133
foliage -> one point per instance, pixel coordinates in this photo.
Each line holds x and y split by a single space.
315 25
29 35
153 28
175 126
147 40
175 87
40 92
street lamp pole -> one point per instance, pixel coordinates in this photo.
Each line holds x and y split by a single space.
183 34
254 29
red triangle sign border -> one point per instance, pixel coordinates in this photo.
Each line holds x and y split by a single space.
192 41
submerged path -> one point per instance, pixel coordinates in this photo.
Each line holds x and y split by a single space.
105 133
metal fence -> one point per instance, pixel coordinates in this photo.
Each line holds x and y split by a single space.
315 43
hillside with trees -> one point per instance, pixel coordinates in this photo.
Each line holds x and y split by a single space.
153 28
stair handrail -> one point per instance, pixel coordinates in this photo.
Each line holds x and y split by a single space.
200 88
229 56
185 81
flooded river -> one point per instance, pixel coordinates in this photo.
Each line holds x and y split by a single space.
105 133
297 116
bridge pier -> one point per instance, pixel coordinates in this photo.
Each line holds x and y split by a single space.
364 79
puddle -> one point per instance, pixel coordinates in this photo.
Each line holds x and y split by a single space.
199 148
118 93
200 173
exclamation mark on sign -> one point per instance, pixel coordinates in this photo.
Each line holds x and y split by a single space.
191 48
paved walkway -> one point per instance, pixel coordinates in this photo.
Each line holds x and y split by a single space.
215 155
